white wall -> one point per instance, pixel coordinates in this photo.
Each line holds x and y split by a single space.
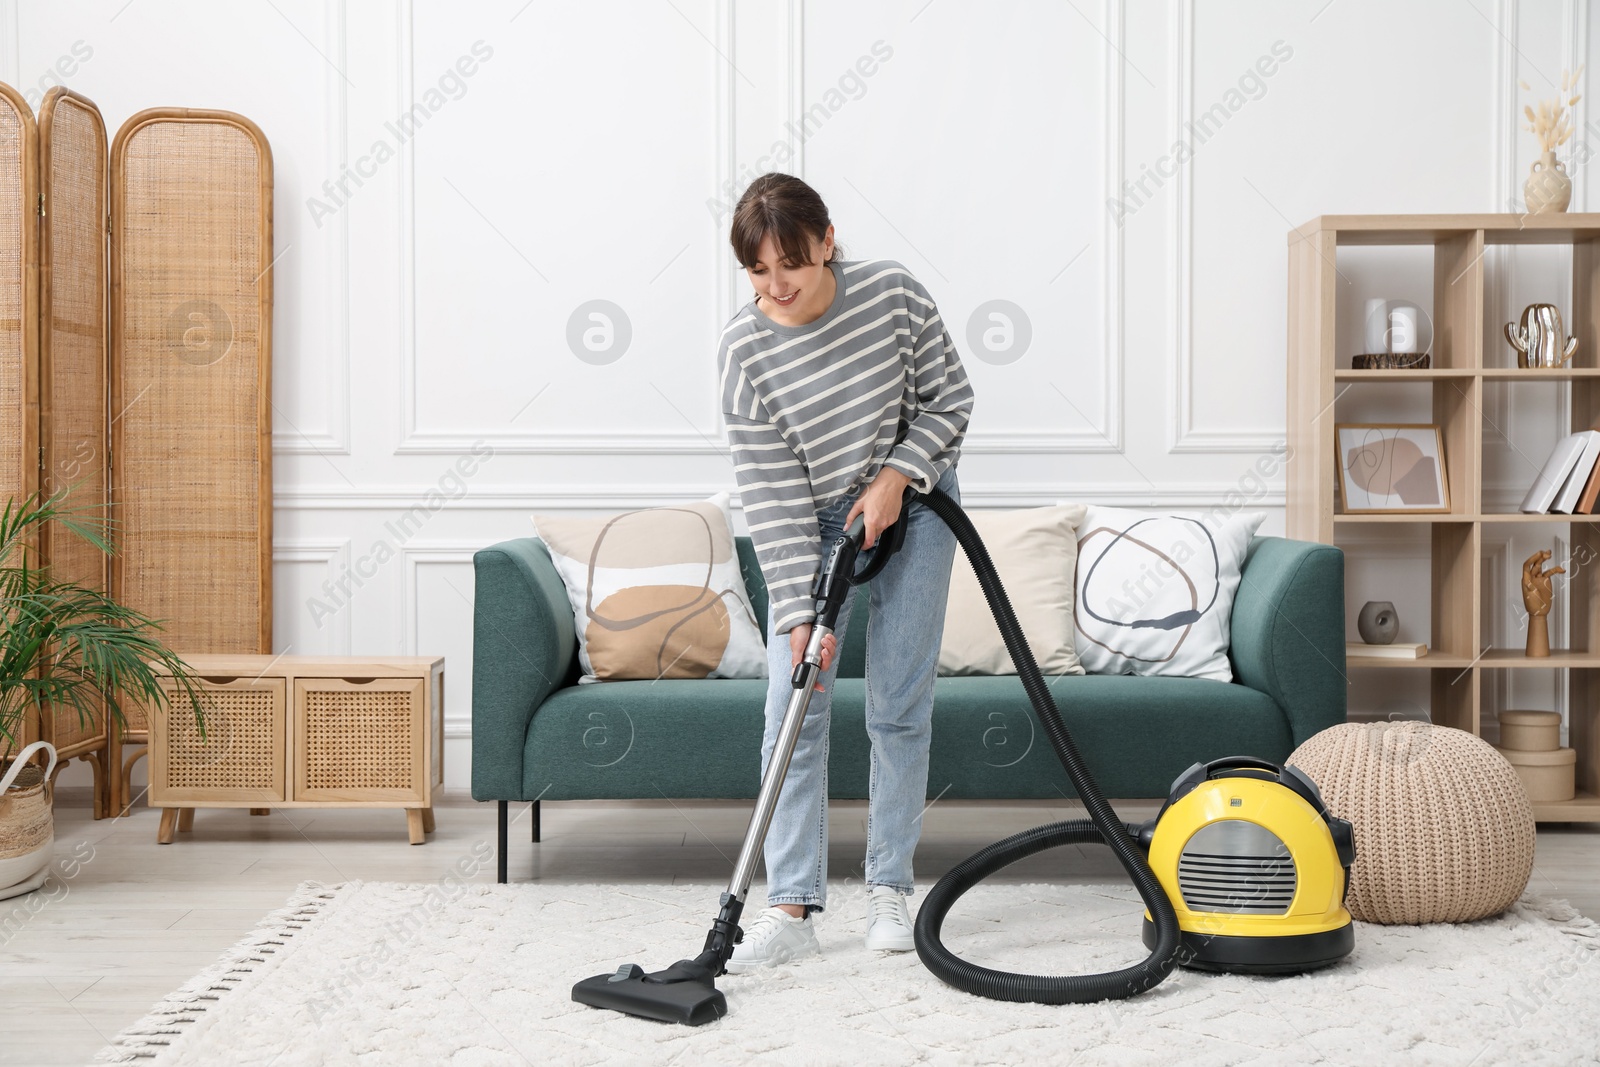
1016 151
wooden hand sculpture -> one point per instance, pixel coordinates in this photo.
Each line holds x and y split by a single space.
1537 597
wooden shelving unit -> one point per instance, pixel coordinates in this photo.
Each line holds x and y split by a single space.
1457 658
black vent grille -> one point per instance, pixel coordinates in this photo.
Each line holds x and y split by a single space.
1236 866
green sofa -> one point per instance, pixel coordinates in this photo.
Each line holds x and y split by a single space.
538 735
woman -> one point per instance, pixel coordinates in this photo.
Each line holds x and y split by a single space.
840 387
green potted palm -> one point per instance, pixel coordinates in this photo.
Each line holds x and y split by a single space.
62 645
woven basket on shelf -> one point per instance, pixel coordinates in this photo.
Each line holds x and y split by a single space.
1444 830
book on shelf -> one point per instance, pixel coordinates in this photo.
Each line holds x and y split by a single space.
1591 491
1566 473
1397 650
1572 491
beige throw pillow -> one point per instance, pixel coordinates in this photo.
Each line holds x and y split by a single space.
1035 552
657 593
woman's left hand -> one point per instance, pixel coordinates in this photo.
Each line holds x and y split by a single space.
880 502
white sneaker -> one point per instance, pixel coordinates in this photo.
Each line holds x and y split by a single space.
775 937
888 921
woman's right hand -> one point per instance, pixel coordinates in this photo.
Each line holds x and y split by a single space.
799 638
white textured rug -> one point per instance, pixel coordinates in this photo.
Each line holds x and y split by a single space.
477 975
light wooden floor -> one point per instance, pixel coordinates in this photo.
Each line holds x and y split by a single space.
86 956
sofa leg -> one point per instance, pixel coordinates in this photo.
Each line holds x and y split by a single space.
501 852
536 821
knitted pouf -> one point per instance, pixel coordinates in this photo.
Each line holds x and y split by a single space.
1444 831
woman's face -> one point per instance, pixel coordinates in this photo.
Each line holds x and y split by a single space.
795 290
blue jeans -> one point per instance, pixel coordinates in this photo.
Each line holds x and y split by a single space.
903 637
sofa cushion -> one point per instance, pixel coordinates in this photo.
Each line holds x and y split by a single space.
1035 552
692 738
1155 591
657 592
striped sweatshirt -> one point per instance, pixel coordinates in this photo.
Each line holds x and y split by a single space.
815 411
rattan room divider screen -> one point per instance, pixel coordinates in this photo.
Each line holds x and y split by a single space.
135 370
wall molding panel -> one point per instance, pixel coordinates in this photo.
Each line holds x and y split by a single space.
1106 438
334 438
418 439
1183 434
458 667
333 554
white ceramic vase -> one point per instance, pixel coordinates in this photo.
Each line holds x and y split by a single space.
1548 188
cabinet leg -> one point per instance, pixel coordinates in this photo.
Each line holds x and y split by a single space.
169 819
185 820
260 811
427 820
414 825
500 853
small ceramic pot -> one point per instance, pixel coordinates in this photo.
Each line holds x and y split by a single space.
1548 188
1378 624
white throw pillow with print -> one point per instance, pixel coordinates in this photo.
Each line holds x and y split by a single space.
1155 591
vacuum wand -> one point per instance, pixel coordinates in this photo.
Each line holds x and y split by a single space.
686 992
831 587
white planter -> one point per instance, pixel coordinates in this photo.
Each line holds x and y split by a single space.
27 831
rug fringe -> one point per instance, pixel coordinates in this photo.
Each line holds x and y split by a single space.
165 1023
1564 917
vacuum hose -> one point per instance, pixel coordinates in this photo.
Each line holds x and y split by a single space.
1102 825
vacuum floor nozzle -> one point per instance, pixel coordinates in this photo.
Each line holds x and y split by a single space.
684 993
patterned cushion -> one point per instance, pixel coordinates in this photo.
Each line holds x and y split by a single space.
657 593
1155 591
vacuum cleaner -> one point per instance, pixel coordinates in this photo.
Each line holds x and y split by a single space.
1243 869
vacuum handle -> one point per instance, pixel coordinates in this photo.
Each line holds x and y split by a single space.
837 573
890 541
1219 768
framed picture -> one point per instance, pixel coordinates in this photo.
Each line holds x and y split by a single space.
1391 467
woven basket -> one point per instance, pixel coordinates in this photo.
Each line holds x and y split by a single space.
1444 830
27 832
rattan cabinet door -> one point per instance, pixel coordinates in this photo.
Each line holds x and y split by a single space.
360 740
241 756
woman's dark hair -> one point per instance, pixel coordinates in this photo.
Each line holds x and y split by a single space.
787 208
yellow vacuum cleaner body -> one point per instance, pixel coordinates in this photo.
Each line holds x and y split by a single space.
1256 867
